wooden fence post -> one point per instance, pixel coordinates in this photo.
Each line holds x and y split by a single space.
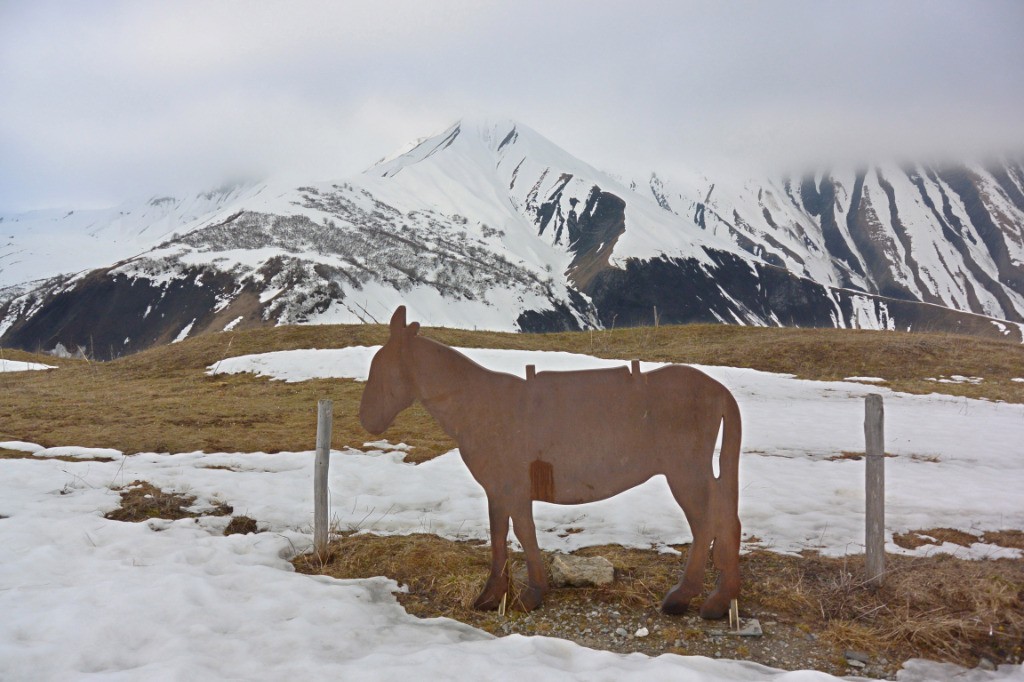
324 417
874 437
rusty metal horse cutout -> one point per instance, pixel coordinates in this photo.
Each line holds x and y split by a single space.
570 438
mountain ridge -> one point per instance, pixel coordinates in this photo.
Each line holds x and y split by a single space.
489 224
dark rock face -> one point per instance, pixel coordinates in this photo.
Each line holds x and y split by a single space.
592 236
820 201
545 321
685 291
113 315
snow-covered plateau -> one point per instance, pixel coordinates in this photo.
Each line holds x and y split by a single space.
84 597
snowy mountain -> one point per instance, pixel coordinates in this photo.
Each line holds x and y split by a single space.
44 244
489 224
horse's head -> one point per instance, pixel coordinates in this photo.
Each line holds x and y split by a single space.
389 390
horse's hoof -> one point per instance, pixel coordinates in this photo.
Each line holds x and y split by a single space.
675 605
489 599
492 594
677 601
530 598
713 609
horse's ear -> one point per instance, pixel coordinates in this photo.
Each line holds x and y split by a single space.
398 319
412 329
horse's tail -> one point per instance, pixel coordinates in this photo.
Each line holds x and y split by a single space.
729 458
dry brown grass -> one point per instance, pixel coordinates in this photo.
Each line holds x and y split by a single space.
938 607
1013 539
241 525
162 400
142 501
14 454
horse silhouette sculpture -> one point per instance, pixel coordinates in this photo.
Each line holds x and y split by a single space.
570 438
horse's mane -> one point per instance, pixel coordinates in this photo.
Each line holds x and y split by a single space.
448 355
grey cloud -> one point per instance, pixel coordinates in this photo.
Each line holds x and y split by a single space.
103 101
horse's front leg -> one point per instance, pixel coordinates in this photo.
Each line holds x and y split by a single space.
497 581
537 577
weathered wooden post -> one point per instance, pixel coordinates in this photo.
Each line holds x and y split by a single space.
874 438
324 416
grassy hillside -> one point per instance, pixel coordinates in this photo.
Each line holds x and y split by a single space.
162 400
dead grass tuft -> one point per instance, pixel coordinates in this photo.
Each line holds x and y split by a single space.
937 536
852 456
141 501
938 607
1012 539
443 576
241 525
14 454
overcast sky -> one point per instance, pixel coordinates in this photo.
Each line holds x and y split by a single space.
103 101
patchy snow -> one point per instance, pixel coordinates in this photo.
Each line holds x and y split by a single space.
867 380
956 379
21 446
79 453
270 294
19 366
86 597
794 497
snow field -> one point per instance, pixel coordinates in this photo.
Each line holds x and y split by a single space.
84 597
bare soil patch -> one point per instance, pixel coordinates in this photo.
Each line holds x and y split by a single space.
815 611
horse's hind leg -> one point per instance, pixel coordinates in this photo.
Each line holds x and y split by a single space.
497 583
677 601
537 577
726 555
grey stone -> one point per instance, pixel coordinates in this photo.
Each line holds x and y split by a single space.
858 656
568 570
748 627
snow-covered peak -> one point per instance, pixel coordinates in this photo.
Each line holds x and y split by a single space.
478 164
483 139
43 244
